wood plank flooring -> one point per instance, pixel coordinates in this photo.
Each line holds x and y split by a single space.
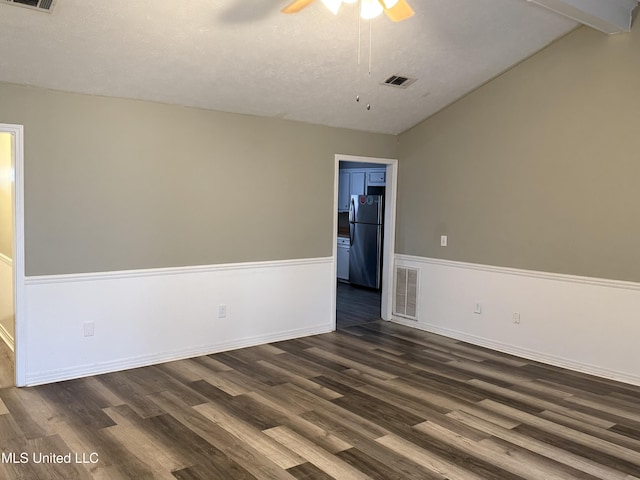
378 401
7 377
356 305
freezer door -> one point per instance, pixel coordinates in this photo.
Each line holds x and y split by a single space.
364 254
366 209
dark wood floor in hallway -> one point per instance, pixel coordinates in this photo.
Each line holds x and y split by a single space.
356 305
378 401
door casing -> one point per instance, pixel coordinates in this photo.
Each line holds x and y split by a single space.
17 132
391 189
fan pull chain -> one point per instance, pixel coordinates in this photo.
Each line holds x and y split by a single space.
370 44
359 37
360 50
370 49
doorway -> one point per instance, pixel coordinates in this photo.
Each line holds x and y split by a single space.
7 308
354 304
12 274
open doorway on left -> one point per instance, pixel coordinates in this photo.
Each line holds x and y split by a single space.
7 307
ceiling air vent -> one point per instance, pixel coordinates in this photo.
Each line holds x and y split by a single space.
399 81
40 5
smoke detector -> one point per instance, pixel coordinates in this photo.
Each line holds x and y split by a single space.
39 5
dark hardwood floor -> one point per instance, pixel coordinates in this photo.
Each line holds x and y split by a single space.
356 305
7 378
378 401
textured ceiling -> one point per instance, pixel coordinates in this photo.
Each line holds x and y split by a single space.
244 56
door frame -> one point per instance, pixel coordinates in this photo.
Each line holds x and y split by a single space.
17 131
391 190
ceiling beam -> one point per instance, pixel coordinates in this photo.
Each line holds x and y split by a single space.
608 16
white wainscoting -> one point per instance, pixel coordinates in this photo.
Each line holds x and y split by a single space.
152 316
6 301
585 324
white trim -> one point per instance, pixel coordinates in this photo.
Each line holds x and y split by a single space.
149 316
523 352
563 277
18 251
610 16
334 246
156 272
6 336
580 323
5 259
391 190
146 360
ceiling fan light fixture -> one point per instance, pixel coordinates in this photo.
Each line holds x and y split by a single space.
389 3
370 9
332 5
397 10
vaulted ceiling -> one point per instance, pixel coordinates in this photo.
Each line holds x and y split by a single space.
245 56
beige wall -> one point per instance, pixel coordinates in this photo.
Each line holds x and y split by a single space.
113 184
538 169
6 201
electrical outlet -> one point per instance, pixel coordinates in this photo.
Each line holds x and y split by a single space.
222 311
516 317
88 329
443 240
478 308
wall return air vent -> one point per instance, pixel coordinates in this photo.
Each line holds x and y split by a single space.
405 300
39 5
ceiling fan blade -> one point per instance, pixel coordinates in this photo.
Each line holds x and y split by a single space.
400 11
296 6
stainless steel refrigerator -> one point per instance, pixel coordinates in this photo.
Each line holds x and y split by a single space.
365 231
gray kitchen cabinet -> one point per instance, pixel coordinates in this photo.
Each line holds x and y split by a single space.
376 178
350 182
344 191
357 182
343 259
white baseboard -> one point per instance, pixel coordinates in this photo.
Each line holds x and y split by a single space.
146 360
6 260
579 323
152 316
522 352
7 338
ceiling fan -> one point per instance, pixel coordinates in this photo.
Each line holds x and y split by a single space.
396 10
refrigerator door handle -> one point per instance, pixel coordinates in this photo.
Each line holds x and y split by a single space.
352 217
352 212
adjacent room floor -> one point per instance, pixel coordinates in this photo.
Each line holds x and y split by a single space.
7 377
378 400
356 305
